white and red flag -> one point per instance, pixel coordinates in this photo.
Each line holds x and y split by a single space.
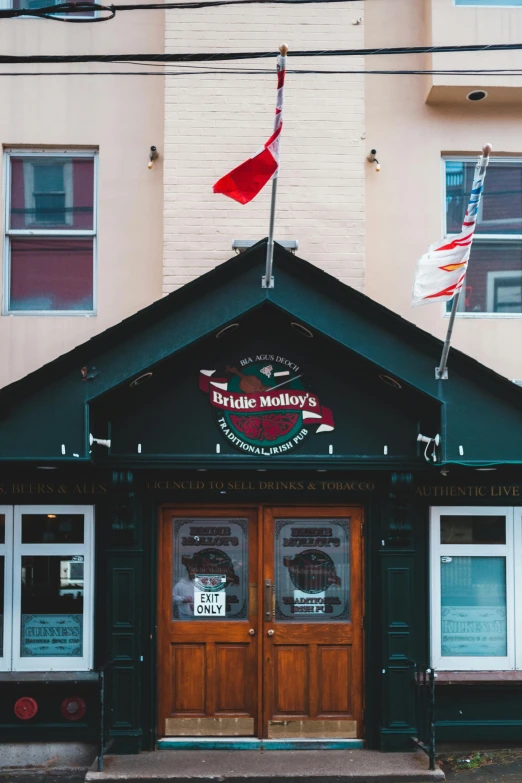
245 181
442 270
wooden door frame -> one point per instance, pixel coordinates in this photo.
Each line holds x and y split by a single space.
165 571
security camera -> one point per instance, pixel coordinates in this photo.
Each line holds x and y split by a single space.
100 441
426 439
436 442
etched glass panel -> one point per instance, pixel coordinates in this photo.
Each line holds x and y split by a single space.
473 611
52 606
210 569
312 570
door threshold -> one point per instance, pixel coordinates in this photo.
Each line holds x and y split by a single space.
251 743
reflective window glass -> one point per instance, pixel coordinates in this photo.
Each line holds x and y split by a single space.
210 569
473 606
2 599
52 528
501 205
469 529
52 606
52 192
312 570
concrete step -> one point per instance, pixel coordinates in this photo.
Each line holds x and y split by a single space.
259 766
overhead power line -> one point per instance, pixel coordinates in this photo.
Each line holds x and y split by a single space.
165 57
263 72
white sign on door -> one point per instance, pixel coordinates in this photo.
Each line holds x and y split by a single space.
210 604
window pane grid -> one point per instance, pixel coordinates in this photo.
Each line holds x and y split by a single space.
50 241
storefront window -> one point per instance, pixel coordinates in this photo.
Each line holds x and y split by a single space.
473 606
210 570
473 584
47 559
312 581
52 606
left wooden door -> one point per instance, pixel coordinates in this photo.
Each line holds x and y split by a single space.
208 622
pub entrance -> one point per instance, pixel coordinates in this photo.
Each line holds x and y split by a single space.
260 622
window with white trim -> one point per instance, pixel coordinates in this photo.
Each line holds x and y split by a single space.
35 4
491 3
46 588
493 283
475 580
50 237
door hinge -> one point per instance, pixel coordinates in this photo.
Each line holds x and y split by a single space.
362 622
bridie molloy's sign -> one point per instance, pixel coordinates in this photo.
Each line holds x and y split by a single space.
262 406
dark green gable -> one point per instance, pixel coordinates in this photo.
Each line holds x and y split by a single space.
356 342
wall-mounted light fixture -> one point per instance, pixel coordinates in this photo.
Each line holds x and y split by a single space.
371 158
153 156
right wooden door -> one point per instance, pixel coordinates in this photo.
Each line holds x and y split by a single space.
312 592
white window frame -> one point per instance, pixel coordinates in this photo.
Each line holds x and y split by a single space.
480 237
513 586
489 4
41 231
6 550
13 661
6 4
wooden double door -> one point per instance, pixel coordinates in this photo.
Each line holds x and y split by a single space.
260 622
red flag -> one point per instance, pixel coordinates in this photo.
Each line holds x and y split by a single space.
245 181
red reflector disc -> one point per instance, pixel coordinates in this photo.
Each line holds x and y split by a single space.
25 708
73 708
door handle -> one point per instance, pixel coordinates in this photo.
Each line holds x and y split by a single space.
268 599
271 632
252 632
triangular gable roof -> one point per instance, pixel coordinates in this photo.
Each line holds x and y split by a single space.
482 410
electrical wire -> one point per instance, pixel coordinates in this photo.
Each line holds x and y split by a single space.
172 57
256 72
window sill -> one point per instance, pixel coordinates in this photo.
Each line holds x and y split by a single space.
48 676
475 678
499 316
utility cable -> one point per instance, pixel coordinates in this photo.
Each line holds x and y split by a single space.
263 72
171 57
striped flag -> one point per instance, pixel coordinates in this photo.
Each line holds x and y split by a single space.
442 270
245 181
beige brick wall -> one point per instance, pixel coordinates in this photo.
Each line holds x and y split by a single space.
215 121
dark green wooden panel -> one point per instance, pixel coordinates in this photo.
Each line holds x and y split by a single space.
398 696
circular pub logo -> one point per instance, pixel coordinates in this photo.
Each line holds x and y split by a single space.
262 405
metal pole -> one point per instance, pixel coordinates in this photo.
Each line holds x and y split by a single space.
441 372
267 281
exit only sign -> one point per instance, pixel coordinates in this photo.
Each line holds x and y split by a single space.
208 604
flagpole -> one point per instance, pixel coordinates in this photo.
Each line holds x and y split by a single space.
441 372
268 281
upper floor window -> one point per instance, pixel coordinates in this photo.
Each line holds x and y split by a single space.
494 279
490 3
34 4
50 240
